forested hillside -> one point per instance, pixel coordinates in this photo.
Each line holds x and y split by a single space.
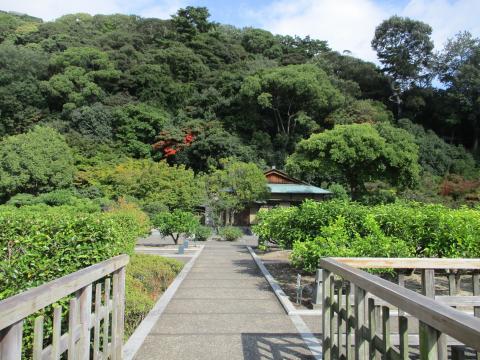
83 96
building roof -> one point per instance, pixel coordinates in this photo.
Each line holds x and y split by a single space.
286 179
296 189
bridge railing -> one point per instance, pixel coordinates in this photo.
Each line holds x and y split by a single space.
97 302
359 308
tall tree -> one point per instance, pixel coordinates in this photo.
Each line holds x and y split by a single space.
458 67
293 95
355 154
405 49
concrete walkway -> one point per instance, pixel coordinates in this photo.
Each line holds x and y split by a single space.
224 309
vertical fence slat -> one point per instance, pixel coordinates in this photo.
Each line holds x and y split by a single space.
38 338
342 329
106 321
387 345
317 293
476 292
458 353
121 312
72 324
348 336
96 328
115 309
85 314
56 333
452 286
333 306
428 342
11 342
360 343
403 335
372 328
326 310
340 321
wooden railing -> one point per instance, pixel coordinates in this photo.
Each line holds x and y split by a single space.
358 308
106 320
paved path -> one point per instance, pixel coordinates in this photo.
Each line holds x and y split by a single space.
224 309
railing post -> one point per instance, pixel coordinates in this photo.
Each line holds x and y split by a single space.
327 341
360 322
11 342
118 313
317 291
428 289
85 298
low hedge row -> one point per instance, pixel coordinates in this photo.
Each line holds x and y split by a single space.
42 243
342 228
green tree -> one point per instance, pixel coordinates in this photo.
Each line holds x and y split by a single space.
137 126
404 48
294 95
458 67
81 74
35 162
353 155
175 223
155 185
22 103
233 188
192 20
360 111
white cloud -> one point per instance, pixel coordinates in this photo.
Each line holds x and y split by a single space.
346 24
446 17
350 24
52 9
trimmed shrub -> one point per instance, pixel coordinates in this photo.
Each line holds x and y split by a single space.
230 233
147 278
202 233
42 243
340 228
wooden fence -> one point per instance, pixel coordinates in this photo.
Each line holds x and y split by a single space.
359 308
106 320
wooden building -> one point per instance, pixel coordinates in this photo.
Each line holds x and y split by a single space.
284 191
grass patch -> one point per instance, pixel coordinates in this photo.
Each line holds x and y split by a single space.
147 278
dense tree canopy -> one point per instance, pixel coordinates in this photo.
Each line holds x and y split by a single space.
355 154
186 92
34 162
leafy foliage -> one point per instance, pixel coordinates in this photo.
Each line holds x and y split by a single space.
230 233
41 243
148 276
176 223
37 161
355 154
340 228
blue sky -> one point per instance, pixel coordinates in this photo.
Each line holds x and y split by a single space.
345 24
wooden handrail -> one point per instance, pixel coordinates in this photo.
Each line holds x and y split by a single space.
410 263
445 319
18 307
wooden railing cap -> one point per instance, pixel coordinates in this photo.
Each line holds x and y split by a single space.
18 307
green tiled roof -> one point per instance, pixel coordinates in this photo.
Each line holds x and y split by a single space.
296 189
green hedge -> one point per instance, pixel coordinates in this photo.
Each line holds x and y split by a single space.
340 228
230 233
42 243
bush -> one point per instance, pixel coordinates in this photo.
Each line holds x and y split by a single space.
41 243
230 233
335 240
340 228
147 278
202 233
